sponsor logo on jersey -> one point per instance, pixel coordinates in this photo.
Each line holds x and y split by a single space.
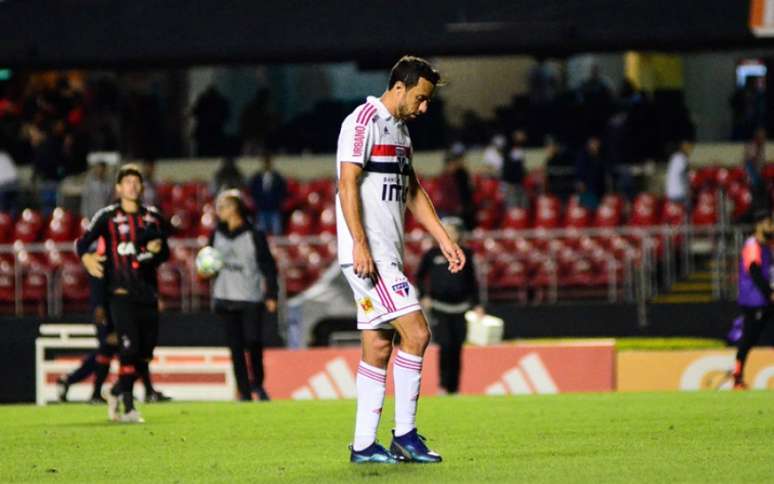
366 304
401 288
126 248
123 228
357 148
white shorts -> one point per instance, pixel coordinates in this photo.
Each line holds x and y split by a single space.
379 303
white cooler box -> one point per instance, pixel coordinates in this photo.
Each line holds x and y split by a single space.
484 331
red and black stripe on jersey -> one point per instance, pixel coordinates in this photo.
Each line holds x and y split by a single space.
129 265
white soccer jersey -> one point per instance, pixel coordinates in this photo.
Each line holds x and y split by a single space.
374 139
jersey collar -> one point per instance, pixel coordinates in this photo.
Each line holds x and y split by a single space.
384 113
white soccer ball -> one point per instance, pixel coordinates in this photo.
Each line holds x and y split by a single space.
209 261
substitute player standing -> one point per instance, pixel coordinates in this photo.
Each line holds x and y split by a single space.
376 182
136 244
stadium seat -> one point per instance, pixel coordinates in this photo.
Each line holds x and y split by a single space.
75 282
327 225
577 217
644 215
516 218
742 203
6 228
727 176
704 214
26 232
673 213
59 230
300 223
607 216
207 224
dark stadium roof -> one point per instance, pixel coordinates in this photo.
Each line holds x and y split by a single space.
180 32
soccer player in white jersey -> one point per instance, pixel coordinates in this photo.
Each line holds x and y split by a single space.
376 183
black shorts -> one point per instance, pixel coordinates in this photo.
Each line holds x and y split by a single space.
137 326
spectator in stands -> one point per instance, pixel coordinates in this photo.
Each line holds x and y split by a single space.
560 170
590 173
494 156
48 163
227 176
9 182
256 123
268 189
678 187
243 290
150 197
754 159
98 187
211 112
513 170
455 188
448 297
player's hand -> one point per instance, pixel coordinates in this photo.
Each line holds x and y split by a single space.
99 315
454 255
93 264
154 246
426 303
363 263
271 305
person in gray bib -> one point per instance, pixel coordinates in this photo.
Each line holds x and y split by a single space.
244 289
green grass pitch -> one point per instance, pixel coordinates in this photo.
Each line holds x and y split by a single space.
662 437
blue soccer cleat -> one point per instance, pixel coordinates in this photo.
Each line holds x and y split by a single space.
373 454
411 448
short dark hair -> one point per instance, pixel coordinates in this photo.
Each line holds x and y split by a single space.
409 69
129 169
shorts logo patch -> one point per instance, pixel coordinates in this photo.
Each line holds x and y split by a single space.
401 289
366 304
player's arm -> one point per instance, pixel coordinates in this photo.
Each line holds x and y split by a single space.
351 205
157 245
268 268
422 208
91 260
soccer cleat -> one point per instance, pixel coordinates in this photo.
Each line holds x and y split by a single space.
97 400
61 388
113 404
373 454
157 397
411 448
740 385
132 416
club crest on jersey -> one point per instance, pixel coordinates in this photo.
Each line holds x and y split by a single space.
401 288
366 304
148 218
120 218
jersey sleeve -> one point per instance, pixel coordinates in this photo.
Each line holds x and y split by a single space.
97 228
355 141
751 254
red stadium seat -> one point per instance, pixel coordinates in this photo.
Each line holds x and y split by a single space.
207 224
6 228
32 217
577 217
547 215
328 221
704 214
644 215
60 230
673 213
607 216
75 282
26 231
516 218
742 203
727 176
300 223
182 223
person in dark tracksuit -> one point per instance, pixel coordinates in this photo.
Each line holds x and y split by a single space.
97 362
135 245
755 292
449 296
243 290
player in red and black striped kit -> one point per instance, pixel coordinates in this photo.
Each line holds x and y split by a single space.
136 244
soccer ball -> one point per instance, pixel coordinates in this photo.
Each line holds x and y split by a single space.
208 261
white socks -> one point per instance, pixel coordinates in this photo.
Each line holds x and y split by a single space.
371 382
407 371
